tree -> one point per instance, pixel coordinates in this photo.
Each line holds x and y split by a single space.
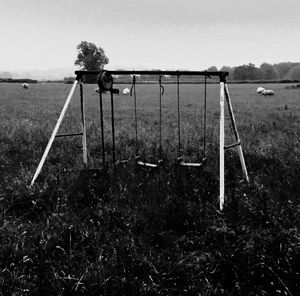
294 73
269 72
283 68
90 57
240 73
228 69
212 69
247 72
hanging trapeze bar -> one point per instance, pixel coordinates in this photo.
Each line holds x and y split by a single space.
180 160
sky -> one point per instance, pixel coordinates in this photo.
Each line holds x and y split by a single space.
156 34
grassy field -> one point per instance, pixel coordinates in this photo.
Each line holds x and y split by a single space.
134 231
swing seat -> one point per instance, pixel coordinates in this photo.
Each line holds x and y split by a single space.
181 162
147 164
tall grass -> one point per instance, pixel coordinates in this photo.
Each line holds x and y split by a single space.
134 231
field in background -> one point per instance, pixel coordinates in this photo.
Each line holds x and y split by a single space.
138 232
28 117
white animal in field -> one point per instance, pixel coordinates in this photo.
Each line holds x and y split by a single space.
126 91
260 90
25 85
268 92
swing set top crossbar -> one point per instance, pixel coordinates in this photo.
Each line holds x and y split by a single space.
221 74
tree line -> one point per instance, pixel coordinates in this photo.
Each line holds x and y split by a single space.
284 71
266 71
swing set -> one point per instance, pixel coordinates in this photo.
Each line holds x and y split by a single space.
105 83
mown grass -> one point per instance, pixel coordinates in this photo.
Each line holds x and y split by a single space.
133 231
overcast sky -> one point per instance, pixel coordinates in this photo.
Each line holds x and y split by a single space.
165 34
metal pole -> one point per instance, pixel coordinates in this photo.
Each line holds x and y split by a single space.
222 163
178 116
160 117
102 127
204 124
113 127
234 126
84 147
50 142
135 116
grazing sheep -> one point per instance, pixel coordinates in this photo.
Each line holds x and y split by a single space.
260 90
25 85
126 91
267 92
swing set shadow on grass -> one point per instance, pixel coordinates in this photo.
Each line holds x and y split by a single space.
106 83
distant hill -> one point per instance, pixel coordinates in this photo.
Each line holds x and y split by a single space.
49 74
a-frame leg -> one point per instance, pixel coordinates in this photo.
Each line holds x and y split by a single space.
53 135
222 134
224 93
236 134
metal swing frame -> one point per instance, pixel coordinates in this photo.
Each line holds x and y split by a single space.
224 95
138 158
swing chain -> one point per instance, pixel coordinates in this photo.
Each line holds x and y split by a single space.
178 116
160 84
133 84
161 93
132 89
113 125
